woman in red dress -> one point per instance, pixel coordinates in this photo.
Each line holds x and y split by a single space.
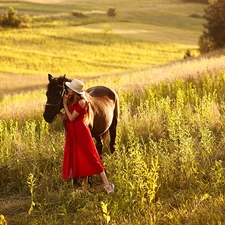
81 158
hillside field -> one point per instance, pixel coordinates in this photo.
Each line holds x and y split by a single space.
141 35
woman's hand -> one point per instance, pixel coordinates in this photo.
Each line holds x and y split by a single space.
62 115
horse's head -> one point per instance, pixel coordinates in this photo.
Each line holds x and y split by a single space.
54 93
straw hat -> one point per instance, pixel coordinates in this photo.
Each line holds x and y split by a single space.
76 85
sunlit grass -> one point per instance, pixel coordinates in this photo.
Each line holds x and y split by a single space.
24 106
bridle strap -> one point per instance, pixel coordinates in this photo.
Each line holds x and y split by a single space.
64 90
58 104
52 105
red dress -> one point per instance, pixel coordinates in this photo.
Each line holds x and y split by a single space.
81 158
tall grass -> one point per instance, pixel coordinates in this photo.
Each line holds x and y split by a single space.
168 167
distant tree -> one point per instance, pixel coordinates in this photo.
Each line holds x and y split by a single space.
213 36
111 12
188 54
78 14
10 19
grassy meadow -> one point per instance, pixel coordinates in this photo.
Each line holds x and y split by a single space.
168 167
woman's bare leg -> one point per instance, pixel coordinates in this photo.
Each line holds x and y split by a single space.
84 180
84 183
104 178
107 185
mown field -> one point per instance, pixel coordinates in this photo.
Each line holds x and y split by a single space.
168 167
141 35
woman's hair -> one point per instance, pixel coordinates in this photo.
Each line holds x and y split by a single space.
83 96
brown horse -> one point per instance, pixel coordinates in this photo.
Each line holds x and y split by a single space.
103 111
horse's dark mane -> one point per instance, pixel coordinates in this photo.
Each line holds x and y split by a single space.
59 79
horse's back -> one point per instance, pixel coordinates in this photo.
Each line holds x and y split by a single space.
101 91
104 108
107 95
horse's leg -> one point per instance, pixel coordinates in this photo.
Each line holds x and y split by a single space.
99 145
112 132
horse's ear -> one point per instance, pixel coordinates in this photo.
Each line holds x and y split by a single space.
49 77
64 75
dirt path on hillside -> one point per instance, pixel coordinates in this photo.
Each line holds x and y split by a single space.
127 80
